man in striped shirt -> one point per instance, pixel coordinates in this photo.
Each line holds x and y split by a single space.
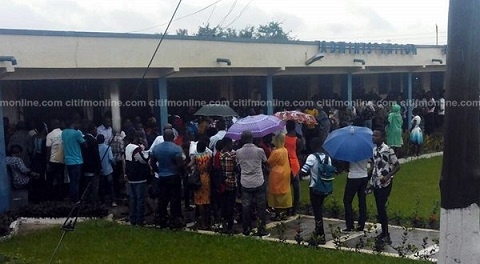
385 165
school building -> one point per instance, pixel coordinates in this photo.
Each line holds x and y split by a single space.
45 74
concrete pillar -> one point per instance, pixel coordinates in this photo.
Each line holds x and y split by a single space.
409 100
269 93
115 106
349 90
163 98
426 82
4 181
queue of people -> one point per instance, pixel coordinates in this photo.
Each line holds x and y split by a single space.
145 165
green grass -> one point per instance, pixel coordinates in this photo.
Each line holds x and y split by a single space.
415 188
106 242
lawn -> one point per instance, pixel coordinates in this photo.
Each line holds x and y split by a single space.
415 189
107 242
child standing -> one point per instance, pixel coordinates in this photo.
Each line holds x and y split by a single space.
416 135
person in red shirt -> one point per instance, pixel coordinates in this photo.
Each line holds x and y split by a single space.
217 183
293 145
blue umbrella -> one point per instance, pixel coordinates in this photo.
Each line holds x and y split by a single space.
351 143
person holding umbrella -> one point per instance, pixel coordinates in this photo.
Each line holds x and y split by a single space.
385 165
354 145
357 180
250 159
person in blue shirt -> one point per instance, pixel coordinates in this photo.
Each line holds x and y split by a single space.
72 149
167 161
106 174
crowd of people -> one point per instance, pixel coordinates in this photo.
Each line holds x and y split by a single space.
245 178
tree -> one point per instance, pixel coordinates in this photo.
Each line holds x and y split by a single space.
182 32
230 33
272 30
247 33
209 32
460 178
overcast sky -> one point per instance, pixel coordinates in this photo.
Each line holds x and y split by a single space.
406 21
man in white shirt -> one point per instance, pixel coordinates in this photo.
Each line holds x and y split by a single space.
441 110
356 184
311 167
106 130
55 165
159 139
219 136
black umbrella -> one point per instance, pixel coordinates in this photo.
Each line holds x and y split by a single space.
216 110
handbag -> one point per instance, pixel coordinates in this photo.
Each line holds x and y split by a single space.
194 179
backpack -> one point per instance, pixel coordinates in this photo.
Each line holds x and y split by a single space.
324 183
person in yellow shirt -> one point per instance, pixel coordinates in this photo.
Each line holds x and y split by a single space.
279 192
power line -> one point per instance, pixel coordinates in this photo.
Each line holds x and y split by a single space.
156 49
182 17
228 13
211 13
240 14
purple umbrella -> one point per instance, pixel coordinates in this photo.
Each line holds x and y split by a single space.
259 125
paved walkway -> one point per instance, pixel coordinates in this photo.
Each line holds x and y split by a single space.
409 243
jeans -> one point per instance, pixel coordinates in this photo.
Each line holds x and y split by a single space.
169 192
74 172
228 207
118 179
381 198
55 181
107 186
186 192
92 191
355 186
250 197
316 200
296 193
137 192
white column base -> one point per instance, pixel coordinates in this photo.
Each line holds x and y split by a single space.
460 235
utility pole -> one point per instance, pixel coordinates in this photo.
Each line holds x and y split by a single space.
460 178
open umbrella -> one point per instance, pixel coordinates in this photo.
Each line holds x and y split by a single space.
297 116
351 143
216 110
259 125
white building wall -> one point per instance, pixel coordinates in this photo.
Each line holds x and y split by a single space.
97 55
